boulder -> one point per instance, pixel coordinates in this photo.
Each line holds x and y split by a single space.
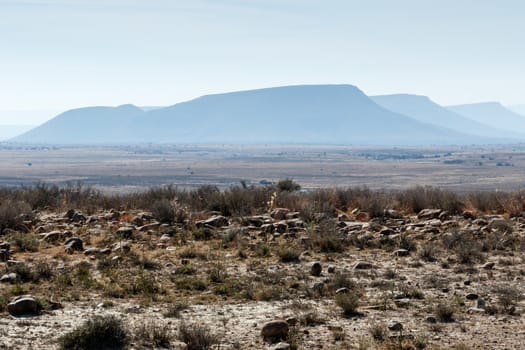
279 213
427 214
74 244
125 232
24 305
275 330
363 265
395 325
316 268
9 278
214 221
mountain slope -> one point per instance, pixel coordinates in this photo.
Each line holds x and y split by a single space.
10 131
519 109
85 125
425 110
292 114
492 114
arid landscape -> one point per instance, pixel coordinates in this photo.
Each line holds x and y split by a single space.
137 167
261 267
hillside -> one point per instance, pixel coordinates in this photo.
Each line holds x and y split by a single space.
10 131
425 110
85 125
493 114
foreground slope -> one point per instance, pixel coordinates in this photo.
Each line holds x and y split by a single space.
425 110
493 114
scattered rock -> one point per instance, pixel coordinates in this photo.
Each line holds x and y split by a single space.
74 244
394 325
9 278
24 305
401 252
427 214
275 330
125 232
316 268
363 265
488 265
214 221
282 346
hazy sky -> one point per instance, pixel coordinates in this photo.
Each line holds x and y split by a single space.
60 54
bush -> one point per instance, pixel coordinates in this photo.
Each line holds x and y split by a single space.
444 312
153 334
163 211
99 332
288 185
348 302
24 242
197 337
288 254
13 214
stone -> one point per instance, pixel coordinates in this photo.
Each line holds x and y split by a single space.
275 330
401 252
394 325
24 305
431 319
121 246
342 290
481 304
4 254
125 232
51 237
316 268
488 265
282 346
9 278
427 214
279 213
214 221
331 269
471 296
74 244
363 265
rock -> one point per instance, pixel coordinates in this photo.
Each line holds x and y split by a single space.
427 214
471 296
4 254
316 268
275 330
125 232
392 214
121 246
387 231
279 213
342 290
475 310
280 226
9 278
481 304
74 244
78 217
51 237
430 319
488 265
282 346
214 221
24 305
331 269
363 265
394 325
401 252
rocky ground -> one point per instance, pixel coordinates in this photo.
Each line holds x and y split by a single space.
273 281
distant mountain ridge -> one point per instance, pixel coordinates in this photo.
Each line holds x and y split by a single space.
329 114
425 110
493 114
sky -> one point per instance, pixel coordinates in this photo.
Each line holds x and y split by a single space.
62 54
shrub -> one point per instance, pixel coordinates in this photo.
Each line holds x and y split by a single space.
348 302
174 309
427 252
378 332
197 337
444 312
154 334
288 254
24 242
13 214
99 332
288 185
163 211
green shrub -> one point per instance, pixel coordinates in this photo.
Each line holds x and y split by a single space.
197 337
348 302
99 332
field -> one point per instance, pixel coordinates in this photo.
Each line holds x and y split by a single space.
221 261
131 168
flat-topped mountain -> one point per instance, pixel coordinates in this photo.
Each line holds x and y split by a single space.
493 114
425 110
330 114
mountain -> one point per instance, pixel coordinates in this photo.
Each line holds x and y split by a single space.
292 114
520 109
425 110
85 125
10 131
493 114
328 114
